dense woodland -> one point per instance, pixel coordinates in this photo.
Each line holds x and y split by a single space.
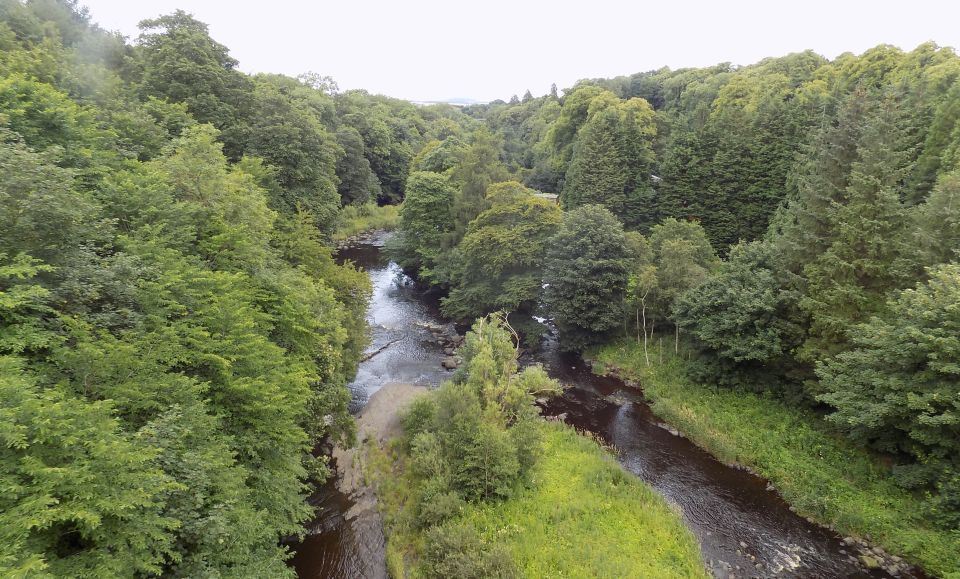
795 221
175 335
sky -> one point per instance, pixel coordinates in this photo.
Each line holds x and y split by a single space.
436 50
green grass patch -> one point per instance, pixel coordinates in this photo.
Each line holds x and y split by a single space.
357 219
582 516
822 474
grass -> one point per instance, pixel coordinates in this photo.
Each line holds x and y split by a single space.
820 473
583 516
356 219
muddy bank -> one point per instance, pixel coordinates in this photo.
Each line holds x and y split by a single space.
377 423
346 539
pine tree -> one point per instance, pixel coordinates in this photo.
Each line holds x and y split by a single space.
865 227
598 173
586 275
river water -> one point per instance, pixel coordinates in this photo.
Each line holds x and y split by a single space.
744 530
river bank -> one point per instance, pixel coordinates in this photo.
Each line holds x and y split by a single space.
362 223
821 475
743 529
581 516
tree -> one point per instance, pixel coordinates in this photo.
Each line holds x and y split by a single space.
597 172
475 437
425 223
896 386
746 315
477 168
288 135
741 311
499 260
358 183
641 285
849 281
684 259
179 61
586 276
937 222
81 498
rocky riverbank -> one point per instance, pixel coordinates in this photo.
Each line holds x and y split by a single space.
378 422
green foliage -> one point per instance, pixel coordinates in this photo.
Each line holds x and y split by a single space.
472 440
847 282
439 156
21 304
181 345
358 183
820 474
937 222
583 516
586 272
180 62
456 550
896 388
745 312
357 219
747 322
611 160
499 261
684 259
597 172
425 222
81 498
477 168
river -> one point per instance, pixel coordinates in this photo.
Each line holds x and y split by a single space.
744 529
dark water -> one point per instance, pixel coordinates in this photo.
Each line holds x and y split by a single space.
744 530
335 546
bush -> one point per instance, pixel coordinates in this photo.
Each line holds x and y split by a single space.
355 219
419 417
435 508
455 550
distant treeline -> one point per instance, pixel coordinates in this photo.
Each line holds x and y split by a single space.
798 220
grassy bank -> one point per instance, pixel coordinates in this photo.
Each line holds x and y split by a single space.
818 472
583 516
356 219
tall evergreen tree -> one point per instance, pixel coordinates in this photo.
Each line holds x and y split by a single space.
866 225
598 172
586 276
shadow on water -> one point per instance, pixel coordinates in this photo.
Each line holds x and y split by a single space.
744 530
331 547
399 316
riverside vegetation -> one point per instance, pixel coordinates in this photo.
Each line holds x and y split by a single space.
794 222
175 336
819 474
477 486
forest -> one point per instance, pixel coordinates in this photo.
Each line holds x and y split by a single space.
176 336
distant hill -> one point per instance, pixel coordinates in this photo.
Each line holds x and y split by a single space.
458 102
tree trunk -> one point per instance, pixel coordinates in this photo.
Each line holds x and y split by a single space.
646 356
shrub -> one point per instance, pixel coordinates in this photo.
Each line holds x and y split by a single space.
456 550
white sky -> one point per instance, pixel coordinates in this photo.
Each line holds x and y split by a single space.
489 49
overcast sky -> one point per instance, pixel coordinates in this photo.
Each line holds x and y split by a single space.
490 49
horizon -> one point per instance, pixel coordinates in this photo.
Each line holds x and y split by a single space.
461 54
